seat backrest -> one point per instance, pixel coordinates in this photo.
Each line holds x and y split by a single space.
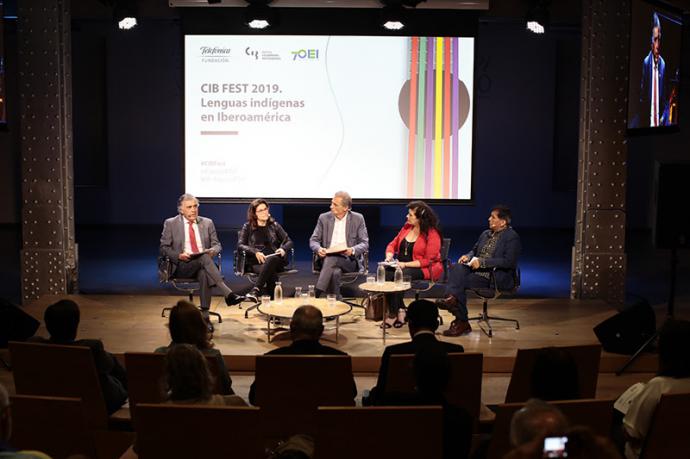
186 431
595 414
667 435
146 377
587 357
59 371
289 388
349 432
53 425
465 385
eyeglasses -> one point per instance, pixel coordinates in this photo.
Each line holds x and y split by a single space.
265 209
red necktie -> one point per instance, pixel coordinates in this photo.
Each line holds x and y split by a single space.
192 238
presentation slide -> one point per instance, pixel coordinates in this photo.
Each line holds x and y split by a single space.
300 117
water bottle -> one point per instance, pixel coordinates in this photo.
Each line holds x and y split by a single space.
311 292
381 274
398 278
298 292
278 293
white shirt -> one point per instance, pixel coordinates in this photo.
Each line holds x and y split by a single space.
339 236
197 236
639 416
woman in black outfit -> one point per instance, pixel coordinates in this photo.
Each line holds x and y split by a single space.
266 244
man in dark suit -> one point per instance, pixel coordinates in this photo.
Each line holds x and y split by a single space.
423 322
306 327
497 251
191 242
340 240
653 104
62 321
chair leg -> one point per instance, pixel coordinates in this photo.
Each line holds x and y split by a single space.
486 318
215 314
246 312
164 311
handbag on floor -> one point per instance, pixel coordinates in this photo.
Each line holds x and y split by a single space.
374 306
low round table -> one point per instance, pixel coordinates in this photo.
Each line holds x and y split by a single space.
373 288
287 308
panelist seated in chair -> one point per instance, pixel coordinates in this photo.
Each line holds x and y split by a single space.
417 247
62 322
191 242
340 240
497 250
266 245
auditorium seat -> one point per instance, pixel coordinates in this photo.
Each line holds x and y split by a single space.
146 376
56 426
400 432
587 358
188 431
667 433
289 388
595 414
465 385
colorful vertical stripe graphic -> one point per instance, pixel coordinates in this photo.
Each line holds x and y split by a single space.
433 118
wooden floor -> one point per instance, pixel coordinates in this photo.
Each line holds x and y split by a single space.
134 323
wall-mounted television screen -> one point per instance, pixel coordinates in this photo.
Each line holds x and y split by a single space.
299 117
655 54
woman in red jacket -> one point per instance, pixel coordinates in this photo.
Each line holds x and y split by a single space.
417 247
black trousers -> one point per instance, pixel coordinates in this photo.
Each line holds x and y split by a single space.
395 300
268 272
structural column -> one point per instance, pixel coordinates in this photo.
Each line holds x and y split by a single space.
49 252
598 258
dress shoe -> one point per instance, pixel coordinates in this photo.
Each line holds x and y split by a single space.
458 328
233 298
448 303
253 296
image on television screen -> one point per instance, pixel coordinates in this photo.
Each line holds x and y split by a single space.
655 52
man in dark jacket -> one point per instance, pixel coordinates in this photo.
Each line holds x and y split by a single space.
306 328
62 321
423 322
495 252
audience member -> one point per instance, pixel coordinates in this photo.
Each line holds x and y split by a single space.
189 378
673 376
306 328
187 326
554 375
582 443
423 322
6 451
62 322
535 420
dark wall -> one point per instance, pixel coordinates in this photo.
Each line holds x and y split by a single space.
130 171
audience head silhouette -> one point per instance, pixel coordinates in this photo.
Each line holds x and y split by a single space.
422 315
674 342
62 320
188 376
307 323
555 376
187 325
537 418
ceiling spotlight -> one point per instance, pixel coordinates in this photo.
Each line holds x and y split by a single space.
125 14
393 15
258 15
538 16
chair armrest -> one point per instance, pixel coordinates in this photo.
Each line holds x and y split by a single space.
164 269
365 259
290 259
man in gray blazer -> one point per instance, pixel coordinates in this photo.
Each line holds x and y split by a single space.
339 229
191 242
